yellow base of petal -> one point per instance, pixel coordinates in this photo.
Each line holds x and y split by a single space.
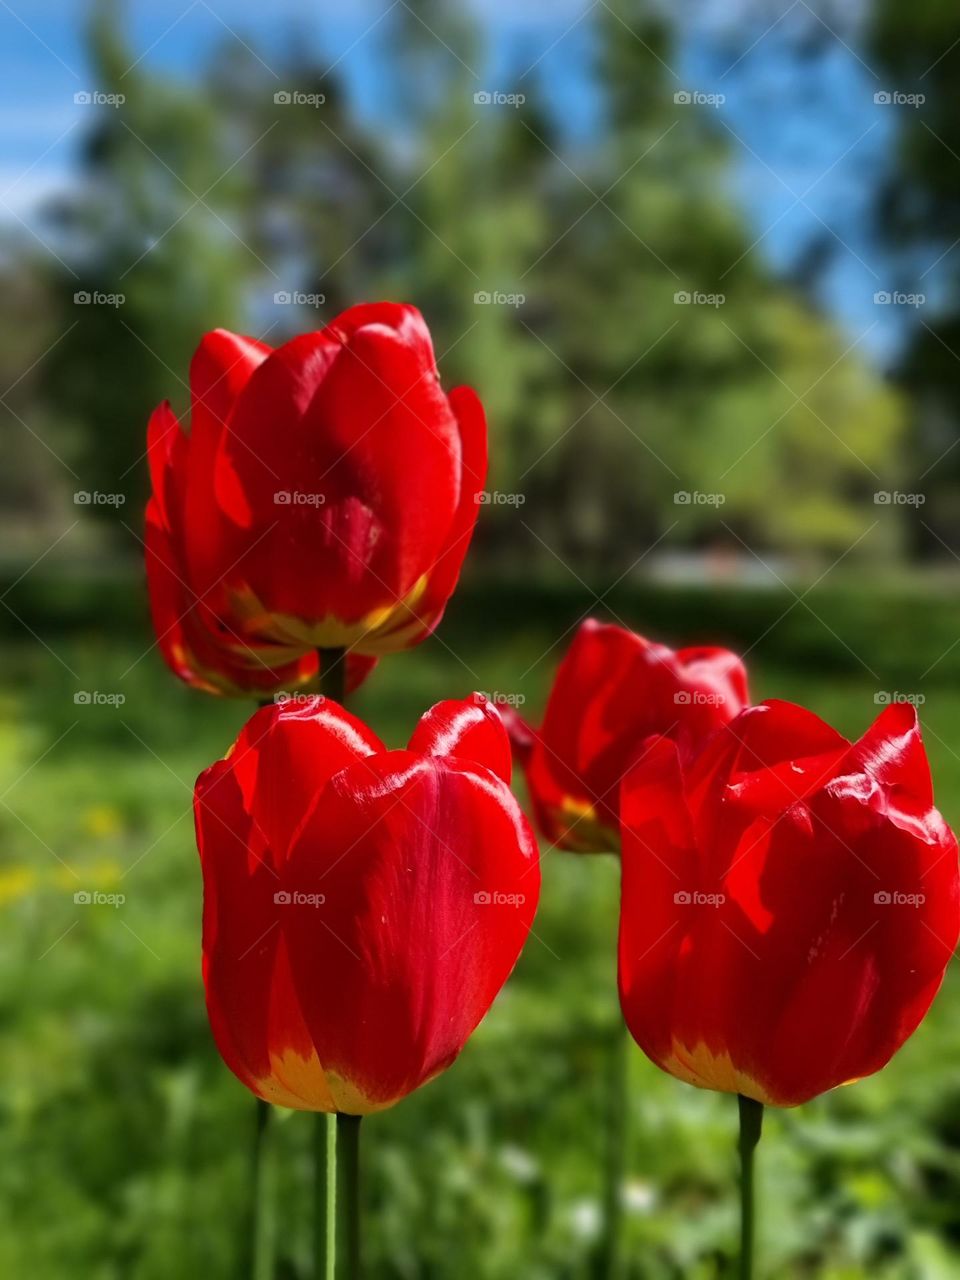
581 829
705 1069
383 630
302 1084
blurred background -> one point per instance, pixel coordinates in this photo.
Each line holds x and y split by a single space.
702 263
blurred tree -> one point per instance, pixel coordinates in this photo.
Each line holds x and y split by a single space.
552 273
153 260
737 399
918 211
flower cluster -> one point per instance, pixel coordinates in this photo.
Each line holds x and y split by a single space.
790 899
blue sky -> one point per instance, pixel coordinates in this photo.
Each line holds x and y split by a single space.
809 130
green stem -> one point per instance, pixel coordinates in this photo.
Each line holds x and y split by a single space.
325 1195
333 674
334 1227
615 1163
262 1195
348 1197
263 1191
751 1122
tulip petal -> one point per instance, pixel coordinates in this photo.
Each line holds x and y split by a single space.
521 734
612 692
469 729
356 419
429 877
254 1011
240 937
398 319
166 457
285 755
423 616
221 367
213 657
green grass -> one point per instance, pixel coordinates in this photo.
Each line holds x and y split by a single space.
123 1139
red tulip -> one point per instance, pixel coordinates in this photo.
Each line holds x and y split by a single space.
324 498
612 691
790 902
362 907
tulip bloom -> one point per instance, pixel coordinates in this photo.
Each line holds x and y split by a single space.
790 902
324 498
612 692
362 907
